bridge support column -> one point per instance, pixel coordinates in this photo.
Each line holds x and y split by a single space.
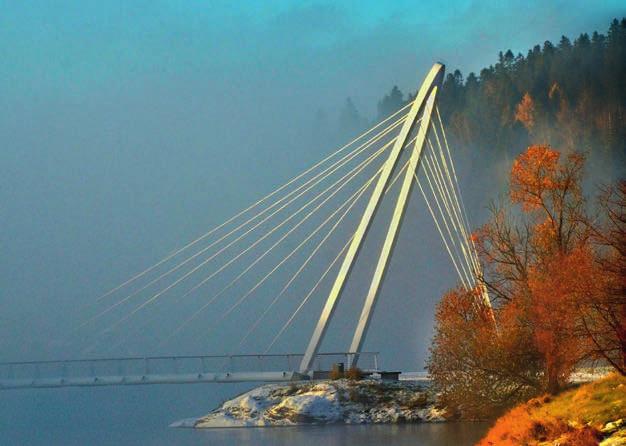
392 233
434 77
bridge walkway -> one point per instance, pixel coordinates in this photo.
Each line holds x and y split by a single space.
167 370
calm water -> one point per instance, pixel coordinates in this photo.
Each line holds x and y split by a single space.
137 415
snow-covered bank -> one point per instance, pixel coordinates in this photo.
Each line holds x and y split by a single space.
321 402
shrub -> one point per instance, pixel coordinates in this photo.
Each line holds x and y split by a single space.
335 374
419 400
360 395
354 374
354 395
292 389
586 436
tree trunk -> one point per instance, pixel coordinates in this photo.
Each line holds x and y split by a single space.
622 339
553 385
553 380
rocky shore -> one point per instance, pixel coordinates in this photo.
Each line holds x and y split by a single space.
323 402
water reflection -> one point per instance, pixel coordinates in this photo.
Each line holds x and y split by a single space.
453 434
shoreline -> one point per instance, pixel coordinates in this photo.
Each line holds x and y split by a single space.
592 413
306 403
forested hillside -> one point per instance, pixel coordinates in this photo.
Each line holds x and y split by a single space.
566 94
569 95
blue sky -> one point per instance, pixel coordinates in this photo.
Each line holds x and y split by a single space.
128 128
70 46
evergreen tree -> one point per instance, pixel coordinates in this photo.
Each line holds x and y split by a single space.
578 91
390 103
350 120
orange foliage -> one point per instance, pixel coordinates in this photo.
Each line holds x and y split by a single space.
525 112
551 286
572 418
544 235
521 426
534 173
354 374
542 270
560 287
518 427
548 189
476 370
554 90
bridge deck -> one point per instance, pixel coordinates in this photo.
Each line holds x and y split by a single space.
163 370
186 378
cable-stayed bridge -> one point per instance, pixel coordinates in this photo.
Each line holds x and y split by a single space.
277 245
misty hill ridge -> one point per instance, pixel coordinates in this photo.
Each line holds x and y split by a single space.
577 94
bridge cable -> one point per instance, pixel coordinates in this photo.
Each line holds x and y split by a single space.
462 278
308 295
157 295
452 205
253 288
447 202
358 167
443 238
428 173
317 248
325 174
325 273
434 217
449 153
436 220
252 206
260 282
322 175
455 192
479 275
456 182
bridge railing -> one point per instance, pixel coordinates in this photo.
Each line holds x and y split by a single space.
173 365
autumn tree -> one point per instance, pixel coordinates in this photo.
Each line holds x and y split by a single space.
539 270
478 372
547 188
549 219
525 112
604 320
560 288
555 274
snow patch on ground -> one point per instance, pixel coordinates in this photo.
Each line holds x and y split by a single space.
588 374
340 401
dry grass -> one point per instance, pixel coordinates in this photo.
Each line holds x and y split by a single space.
336 374
354 374
574 417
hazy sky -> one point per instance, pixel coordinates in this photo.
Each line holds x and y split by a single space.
129 128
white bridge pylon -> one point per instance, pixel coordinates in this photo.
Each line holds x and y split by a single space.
423 105
262 253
